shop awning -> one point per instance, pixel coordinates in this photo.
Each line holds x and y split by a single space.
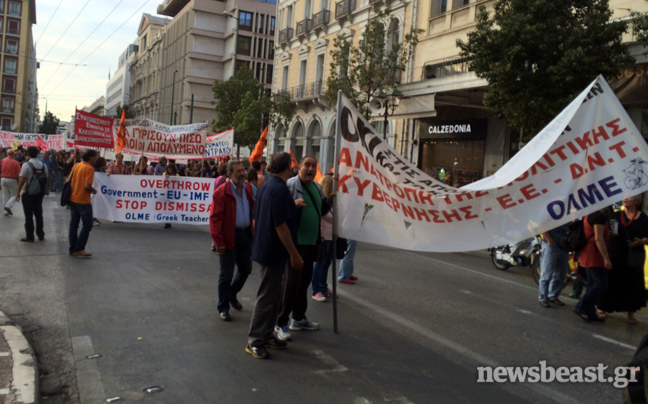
421 106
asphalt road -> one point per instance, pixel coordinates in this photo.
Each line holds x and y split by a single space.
413 329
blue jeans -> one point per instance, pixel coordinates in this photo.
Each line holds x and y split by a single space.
553 271
320 269
79 213
241 257
346 264
58 181
597 283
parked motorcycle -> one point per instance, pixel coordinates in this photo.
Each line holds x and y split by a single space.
524 254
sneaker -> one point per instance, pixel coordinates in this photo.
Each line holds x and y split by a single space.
282 333
557 302
225 316
96 222
258 352
574 295
82 253
7 210
347 281
319 297
275 344
354 278
545 303
328 293
304 324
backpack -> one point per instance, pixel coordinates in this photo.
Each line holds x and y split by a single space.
574 239
38 183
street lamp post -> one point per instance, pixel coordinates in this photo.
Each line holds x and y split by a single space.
172 97
391 100
238 22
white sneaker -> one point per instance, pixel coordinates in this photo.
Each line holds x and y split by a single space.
5 213
282 333
319 297
304 324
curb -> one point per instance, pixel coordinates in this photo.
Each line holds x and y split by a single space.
24 367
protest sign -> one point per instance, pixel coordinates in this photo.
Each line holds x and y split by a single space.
92 130
588 157
220 144
150 199
155 139
53 142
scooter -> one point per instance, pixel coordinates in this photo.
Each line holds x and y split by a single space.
525 253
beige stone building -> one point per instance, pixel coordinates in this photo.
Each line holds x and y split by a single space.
306 32
201 44
146 67
18 61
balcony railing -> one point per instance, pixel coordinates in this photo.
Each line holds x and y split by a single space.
11 50
285 35
344 8
309 90
304 27
321 19
376 1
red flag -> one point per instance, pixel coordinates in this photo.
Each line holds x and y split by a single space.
258 149
294 163
40 143
121 133
318 176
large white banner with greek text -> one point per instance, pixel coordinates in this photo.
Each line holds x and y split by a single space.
151 199
588 157
155 139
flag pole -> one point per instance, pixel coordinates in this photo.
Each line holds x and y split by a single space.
338 136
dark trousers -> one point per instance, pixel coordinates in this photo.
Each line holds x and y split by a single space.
79 213
295 299
33 207
268 304
597 283
239 256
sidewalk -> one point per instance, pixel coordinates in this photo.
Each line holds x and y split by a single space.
18 367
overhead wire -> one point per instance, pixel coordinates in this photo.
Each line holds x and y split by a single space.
99 46
48 23
83 42
67 29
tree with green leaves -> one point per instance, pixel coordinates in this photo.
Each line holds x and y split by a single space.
242 103
375 64
50 124
537 55
130 113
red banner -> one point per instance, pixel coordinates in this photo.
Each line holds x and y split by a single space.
92 130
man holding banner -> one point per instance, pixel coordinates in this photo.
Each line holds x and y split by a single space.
230 224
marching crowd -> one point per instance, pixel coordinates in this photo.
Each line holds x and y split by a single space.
280 217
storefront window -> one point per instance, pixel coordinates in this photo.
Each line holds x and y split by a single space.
462 160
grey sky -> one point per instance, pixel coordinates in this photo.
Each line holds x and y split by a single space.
84 84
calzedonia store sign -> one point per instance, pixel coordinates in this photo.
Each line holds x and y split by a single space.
468 129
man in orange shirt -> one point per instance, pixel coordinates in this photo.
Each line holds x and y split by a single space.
82 177
9 172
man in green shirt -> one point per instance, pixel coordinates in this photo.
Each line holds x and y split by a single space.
312 205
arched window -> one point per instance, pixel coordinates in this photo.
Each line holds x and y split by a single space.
280 139
393 33
314 137
298 140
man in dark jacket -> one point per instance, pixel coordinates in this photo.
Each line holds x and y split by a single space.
230 224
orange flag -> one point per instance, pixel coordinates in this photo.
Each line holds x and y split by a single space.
121 133
318 176
258 149
294 163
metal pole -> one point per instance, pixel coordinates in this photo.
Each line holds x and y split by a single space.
386 116
191 110
172 97
336 174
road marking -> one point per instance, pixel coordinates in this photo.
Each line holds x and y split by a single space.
524 311
473 271
615 342
91 389
4 354
329 360
433 337
4 392
466 291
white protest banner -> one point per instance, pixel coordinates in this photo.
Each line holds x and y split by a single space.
150 199
52 142
155 139
220 144
588 157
